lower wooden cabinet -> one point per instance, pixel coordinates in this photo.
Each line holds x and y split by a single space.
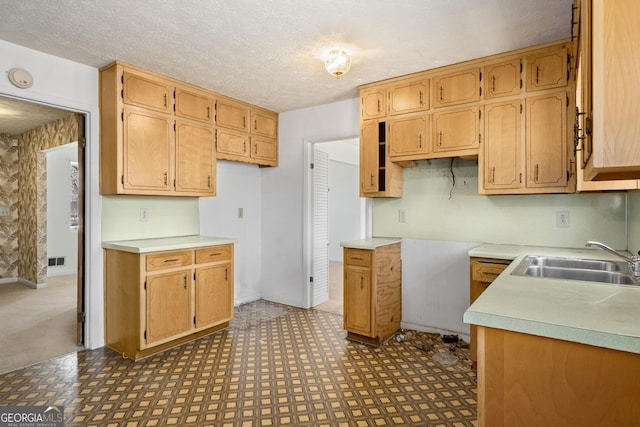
530 380
483 271
372 293
157 300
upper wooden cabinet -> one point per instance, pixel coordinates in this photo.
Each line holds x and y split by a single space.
246 133
615 88
546 141
264 123
409 137
547 70
195 105
502 79
457 88
409 96
583 118
379 177
373 103
501 166
147 148
231 114
457 131
147 91
476 109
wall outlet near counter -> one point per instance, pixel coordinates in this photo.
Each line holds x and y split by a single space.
144 214
562 219
402 215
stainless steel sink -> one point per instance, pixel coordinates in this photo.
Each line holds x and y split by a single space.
578 263
600 271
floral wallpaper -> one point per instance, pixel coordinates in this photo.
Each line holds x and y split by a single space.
9 199
32 194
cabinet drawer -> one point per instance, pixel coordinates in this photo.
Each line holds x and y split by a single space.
164 260
214 253
487 271
361 257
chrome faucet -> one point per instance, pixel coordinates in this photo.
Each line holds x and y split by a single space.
634 261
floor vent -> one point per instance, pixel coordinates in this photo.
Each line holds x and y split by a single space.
56 261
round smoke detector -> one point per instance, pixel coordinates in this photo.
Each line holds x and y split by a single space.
20 78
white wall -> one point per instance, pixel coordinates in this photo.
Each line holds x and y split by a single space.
444 222
72 86
283 276
633 222
518 220
62 240
345 206
238 186
166 216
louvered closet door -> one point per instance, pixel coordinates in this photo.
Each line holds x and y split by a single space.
320 227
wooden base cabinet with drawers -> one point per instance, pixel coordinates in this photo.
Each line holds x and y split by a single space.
372 293
157 300
483 271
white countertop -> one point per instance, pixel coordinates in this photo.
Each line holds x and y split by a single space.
370 243
590 313
166 243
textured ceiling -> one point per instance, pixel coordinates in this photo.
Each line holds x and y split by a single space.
269 53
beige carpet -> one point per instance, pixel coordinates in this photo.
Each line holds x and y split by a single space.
37 324
334 304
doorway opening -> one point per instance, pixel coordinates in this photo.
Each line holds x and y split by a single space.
335 213
41 277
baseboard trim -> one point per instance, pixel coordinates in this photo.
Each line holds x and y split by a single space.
30 284
22 281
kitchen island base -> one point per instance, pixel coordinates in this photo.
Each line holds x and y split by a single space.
529 380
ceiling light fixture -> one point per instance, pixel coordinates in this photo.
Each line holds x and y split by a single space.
337 62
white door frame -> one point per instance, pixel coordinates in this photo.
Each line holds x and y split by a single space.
307 217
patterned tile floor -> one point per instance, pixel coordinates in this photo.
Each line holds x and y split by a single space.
274 366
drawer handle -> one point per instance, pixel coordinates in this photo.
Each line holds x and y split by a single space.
486 273
185 282
357 258
172 260
215 254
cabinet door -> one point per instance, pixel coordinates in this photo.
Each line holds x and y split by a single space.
148 151
502 79
457 88
264 123
147 92
214 295
369 157
264 150
456 130
502 151
168 306
195 159
546 140
194 105
232 115
236 144
373 103
358 308
408 97
547 70
409 136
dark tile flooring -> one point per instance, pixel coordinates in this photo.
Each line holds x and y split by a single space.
274 366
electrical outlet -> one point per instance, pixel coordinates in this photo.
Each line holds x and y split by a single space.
562 219
240 212
144 214
402 215
5 211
